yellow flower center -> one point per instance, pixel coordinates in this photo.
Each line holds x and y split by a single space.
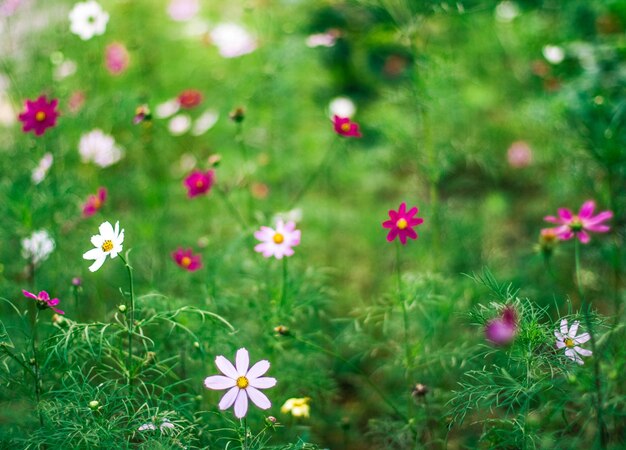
345 127
402 223
278 238
185 261
97 203
569 342
242 382
199 183
107 246
40 116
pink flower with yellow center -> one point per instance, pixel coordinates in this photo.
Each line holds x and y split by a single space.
44 301
345 127
199 182
401 223
39 115
580 224
187 260
277 242
94 202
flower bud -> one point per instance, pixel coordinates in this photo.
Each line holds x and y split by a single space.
281 330
238 114
94 404
121 308
420 390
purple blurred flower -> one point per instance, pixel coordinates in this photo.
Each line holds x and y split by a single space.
502 330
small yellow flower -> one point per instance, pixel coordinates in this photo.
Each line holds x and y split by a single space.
298 407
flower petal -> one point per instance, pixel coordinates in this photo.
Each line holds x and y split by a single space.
258 369
583 351
558 335
258 398
263 382
94 253
560 344
97 240
229 398
565 214
226 367
571 354
241 404
582 338
242 361
583 237
106 231
29 294
98 263
219 382
573 329
601 217
564 326
552 219
586 210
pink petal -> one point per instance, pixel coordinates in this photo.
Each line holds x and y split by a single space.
263 382
598 228
604 215
410 232
389 223
241 404
226 367
392 234
29 294
258 369
583 351
402 237
586 210
565 214
218 382
43 295
229 398
416 221
402 209
552 219
56 310
571 354
565 235
53 302
242 361
583 237
258 398
393 216
559 336
411 212
560 344
582 338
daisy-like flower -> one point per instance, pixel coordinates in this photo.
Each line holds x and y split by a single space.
232 40
94 202
568 340
88 19
401 223
503 329
44 301
298 407
187 260
580 224
116 58
346 127
242 383
107 243
38 246
198 182
39 115
99 148
278 242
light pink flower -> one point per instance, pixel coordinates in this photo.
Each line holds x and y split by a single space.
519 154
242 383
183 10
345 127
278 242
44 301
187 260
568 340
116 58
579 224
502 329
94 202
199 183
401 223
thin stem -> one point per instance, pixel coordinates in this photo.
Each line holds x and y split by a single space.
307 185
283 294
36 366
231 209
244 153
131 321
405 323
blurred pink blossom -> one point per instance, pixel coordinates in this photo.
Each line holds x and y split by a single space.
183 10
519 154
116 58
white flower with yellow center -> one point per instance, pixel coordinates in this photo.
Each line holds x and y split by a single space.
568 340
88 19
107 243
242 383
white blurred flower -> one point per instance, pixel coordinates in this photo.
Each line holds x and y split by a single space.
506 11
88 19
38 246
187 162
205 122
64 70
232 40
179 124
294 215
8 114
342 107
182 10
553 54
40 172
165 425
99 148
321 40
167 109
147 426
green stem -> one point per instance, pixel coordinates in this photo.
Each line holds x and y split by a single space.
283 295
231 209
320 168
131 321
36 366
405 317
244 153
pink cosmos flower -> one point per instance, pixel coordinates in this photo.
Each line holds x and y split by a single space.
116 58
401 223
579 224
39 115
199 183
568 340
519 154
503 329
186 259
94 202
345 127
189 98
44 301
278 242
242 383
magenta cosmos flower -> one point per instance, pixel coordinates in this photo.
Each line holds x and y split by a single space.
242 383
503 329
94 202
187 260
345 127
401 223
199 183
44 301
39 115
579 224
277 242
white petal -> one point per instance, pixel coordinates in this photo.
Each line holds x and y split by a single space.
258 398
574 329
97 264
106 231
564 326
219 382
560 344
229 398
571 354
241 404
94 253
97 240
583 351
242 361
582 338
226 367
258 369
263 382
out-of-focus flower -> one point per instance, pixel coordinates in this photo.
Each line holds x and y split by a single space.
65 69
40 172
179 124
519 154
150 426
183 10
94 404
147 427
99 148
205 122
76 101
189 98
278 242
39 115
116 58
94 202
345 127
401 223
88 19
198 182
298 407
548 240
553 54
7 111
142 113
187 260
107 243
506 11
341 107
568 340
38 246
327 39
76 282
241 383
580 224
259 190
57 320
419 390
232 40
293 215
167 109
238 114
281 330
502 329
44 301
8 7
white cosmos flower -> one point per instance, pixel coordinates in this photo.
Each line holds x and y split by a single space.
167 109
342 107
568 340
232 40
38 246
99 148
553 54
205 122
108 242
179 124
40 172
88 19
241 383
